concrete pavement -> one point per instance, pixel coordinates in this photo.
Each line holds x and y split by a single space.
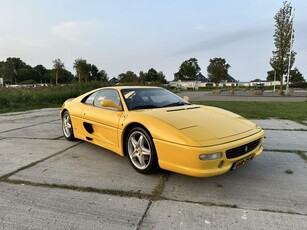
47 182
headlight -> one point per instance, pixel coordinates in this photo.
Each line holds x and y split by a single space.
210 156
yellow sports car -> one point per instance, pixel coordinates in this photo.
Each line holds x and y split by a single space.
156 128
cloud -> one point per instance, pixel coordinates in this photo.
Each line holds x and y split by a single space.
76 31
228 38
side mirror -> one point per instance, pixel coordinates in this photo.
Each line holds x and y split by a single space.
110 104
186 98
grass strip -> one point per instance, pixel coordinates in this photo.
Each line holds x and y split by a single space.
296 111
22 99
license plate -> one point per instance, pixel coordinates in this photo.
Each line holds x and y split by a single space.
242 162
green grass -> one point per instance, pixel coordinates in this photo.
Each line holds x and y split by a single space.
12 99
21 99
296 111
289 171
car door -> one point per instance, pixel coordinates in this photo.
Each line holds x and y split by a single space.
101 123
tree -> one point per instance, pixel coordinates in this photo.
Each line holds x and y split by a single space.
271 75
282 40
41 71
97 75
57 66
153 76
217 70
94 76
142 77
47 77
82 68
188 70
66 76
103 76
13 65
128 77
296 76
7 72
17 63
161 77
28 75
2 68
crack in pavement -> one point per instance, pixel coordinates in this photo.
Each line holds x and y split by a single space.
144 215
119 193
156 195
23 119
32 125
300 153
300 130
28 112
129 194
6 176
37 138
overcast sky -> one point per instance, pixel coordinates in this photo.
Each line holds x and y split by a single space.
122 35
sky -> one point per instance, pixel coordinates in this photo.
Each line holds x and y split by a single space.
136 35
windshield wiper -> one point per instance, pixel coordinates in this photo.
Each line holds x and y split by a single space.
178 103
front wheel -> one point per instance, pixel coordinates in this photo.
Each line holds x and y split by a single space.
141 151
67 127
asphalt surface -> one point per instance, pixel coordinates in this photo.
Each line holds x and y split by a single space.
47 182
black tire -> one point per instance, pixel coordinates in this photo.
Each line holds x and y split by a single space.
67 128
141 151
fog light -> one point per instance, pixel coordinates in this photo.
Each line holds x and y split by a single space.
210 156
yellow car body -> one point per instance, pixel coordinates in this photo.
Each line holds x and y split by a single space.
182 135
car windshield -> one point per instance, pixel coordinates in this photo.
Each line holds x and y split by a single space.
148 98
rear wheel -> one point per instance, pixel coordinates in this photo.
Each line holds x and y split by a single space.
141 151
67 127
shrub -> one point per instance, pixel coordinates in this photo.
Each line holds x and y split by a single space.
300 85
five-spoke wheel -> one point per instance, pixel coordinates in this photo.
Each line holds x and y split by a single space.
141 150
67 126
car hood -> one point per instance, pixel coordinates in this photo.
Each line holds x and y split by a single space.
203 123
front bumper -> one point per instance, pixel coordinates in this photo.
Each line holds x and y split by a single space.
185 159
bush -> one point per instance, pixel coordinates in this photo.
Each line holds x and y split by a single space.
300 85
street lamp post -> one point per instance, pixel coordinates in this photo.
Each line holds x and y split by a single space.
289 65
274 80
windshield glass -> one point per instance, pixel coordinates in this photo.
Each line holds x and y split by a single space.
148 98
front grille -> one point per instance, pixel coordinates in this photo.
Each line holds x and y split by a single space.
241 150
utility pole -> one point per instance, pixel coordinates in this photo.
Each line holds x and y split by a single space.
274 80
289 65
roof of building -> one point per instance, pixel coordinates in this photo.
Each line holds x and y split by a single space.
202 78
231 79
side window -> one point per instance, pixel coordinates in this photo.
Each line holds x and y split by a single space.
90 99
107 94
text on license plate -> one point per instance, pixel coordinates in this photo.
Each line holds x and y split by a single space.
242 162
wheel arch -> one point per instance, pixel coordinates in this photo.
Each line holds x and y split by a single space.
127 130
63 111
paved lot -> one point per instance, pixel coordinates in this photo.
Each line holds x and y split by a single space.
47 182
